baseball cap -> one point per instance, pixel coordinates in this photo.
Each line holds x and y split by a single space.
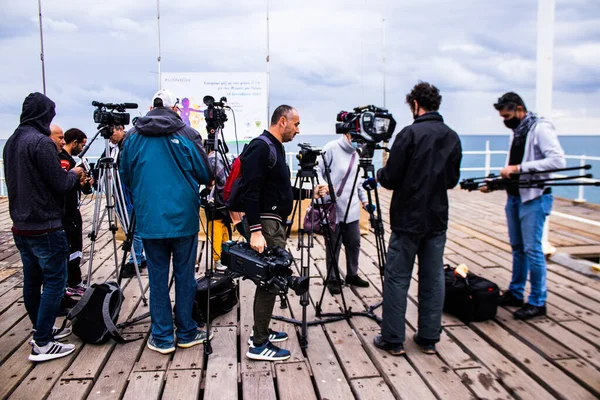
164 98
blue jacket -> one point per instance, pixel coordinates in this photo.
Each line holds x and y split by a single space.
36 182
163 163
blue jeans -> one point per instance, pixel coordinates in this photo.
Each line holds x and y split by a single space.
44 263
159 252
397 276
525 228
138 247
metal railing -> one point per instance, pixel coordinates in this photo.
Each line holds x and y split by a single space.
486 168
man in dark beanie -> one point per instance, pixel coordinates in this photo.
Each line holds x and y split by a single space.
36 195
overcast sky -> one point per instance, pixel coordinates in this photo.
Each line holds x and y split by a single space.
325 55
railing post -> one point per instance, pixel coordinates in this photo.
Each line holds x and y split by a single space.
488 158
580 199
2 180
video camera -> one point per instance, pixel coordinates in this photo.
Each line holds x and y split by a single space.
308 156
214 114
370 124
112 113
270 270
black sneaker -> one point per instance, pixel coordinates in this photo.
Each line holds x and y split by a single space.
128 270
356 281
395 349
274 336
334 287
529 311
510 300
426 347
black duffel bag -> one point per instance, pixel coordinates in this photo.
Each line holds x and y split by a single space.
223 297
470 299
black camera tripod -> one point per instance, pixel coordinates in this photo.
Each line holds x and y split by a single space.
308 175
109 182
366 164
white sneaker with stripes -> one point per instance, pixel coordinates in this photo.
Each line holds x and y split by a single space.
267 352
50 351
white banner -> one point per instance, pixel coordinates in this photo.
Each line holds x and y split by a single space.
246 94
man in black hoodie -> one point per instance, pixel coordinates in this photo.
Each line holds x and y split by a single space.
424 163
36 194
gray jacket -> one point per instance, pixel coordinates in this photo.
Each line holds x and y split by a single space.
542 152
337 154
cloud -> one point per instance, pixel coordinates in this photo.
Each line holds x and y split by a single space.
325 56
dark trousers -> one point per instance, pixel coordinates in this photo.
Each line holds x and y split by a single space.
73 227
350 238
274 233
397 276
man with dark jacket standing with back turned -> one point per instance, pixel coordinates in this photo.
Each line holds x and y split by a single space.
424 163
36 196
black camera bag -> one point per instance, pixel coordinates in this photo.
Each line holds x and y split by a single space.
473 299
223 297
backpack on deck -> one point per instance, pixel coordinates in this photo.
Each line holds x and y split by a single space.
233 185
94 317
470 299
223 297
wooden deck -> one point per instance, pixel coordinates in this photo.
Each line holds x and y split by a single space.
553 357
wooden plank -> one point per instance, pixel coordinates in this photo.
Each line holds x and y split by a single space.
372 389
15 369
89 361
10 297
530 361
397 371
586 332
12 339
14 314
293 381
114 376
182 385
145 385
328 374
354 359
222 369
584 372
577 345
519 382
71 389
483 384
258 384
531 336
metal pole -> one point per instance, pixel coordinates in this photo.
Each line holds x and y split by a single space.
580 199
268 59
383 46
488 158
545 49
158 59
42 46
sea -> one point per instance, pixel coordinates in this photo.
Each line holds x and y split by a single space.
573 145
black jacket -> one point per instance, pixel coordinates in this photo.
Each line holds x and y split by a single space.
424 163
35 180
266 193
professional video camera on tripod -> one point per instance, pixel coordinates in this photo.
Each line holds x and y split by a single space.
367 127
107 116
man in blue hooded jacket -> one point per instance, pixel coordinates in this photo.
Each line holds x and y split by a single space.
163 163
37 186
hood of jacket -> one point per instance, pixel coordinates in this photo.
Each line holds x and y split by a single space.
160 121
38 111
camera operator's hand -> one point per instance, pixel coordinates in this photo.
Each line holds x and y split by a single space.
370 208
485 189
320 191
506 172
79 171
258 242
369 184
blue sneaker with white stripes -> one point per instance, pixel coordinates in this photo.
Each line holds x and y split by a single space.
50 351
274 336
267 352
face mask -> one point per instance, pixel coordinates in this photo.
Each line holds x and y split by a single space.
416 114
512 123
355 145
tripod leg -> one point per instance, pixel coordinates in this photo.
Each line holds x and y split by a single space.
96 223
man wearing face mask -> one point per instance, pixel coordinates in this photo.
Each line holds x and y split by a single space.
424 163
341 158
534 146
